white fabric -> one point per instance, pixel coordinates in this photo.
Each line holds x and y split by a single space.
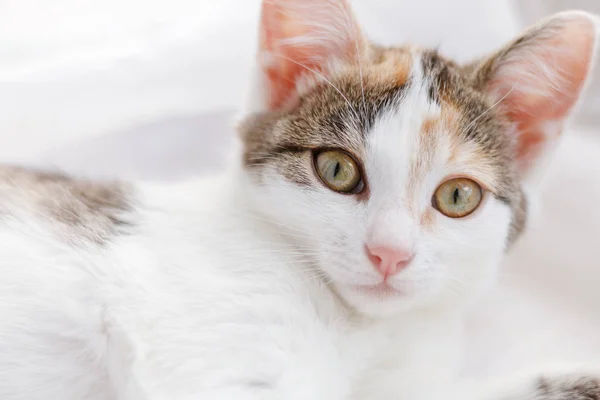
146 89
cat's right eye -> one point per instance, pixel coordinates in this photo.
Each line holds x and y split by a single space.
339 171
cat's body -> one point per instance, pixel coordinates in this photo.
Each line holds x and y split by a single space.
373 200
162 307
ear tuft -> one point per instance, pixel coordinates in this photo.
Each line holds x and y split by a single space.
302 37
537 79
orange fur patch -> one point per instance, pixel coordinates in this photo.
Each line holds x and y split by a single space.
451 123
428 219
394 64
403 67
431 131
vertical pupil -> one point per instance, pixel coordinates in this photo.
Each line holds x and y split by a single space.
456 195
336 170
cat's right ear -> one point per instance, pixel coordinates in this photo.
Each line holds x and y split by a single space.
300 41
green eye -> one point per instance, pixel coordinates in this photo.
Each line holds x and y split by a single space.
457 198
338 171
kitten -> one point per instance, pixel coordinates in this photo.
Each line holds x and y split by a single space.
375 194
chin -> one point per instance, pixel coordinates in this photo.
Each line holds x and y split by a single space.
380 300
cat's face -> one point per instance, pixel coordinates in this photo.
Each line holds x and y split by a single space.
396 174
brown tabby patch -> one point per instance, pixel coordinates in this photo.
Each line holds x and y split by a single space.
84 211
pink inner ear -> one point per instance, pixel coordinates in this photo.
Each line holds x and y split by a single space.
543 80
281 73
302 35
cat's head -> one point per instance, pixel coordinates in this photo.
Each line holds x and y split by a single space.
398 171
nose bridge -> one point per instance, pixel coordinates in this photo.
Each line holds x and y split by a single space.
394 160
391 225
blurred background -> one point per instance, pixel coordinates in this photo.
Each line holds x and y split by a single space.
146 89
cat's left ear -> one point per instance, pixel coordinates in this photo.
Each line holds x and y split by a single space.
537 80
300 42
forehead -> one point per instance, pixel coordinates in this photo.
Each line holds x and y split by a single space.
439 130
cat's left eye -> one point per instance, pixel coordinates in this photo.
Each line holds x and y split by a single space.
338 171
458 197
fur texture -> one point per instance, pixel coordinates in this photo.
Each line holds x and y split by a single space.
256 284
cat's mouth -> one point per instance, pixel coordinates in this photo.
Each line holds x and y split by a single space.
381 290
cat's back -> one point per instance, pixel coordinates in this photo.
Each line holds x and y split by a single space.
56 233
89 269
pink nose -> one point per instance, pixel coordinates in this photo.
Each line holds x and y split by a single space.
388 260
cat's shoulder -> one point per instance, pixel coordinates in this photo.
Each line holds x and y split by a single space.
79 210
